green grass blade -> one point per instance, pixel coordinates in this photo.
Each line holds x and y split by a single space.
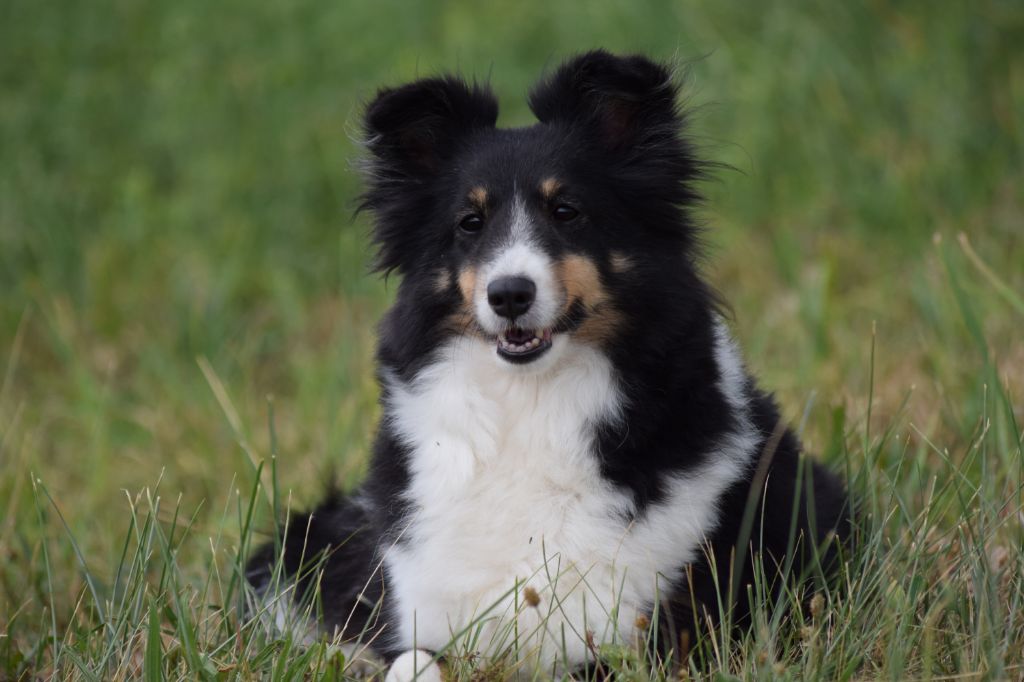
153 670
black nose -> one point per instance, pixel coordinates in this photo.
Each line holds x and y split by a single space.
511 296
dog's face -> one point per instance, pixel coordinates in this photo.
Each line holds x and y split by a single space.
531 239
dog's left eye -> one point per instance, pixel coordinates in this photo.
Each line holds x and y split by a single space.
564 213
471 223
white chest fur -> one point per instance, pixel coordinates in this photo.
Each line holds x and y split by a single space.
507 503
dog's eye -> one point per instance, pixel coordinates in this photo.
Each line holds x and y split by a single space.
563 213
471 223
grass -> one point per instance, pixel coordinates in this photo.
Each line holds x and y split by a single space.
176 245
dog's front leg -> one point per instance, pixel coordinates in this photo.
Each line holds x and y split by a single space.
414 664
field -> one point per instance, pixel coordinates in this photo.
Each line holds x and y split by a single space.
185 307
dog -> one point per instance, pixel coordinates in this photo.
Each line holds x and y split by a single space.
571 452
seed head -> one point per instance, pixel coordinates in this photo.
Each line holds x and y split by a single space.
817 605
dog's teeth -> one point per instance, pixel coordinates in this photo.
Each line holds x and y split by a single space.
509 346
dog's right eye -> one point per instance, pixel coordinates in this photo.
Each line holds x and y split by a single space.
471 223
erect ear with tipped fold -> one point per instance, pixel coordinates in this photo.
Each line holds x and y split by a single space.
412 132
623 101
413 128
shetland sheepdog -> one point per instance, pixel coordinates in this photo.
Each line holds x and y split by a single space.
571 452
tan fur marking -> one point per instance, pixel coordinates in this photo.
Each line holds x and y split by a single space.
549 187
478 195
463 321
621 262
467 285
601 326
582 282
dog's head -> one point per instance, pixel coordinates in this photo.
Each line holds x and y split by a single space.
531 239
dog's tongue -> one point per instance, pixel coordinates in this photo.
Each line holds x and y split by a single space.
519 336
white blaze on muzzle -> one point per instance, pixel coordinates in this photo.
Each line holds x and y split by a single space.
519 257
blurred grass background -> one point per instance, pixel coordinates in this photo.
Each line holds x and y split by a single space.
176 199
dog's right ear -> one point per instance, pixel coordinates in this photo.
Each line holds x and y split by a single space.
411 133
412 129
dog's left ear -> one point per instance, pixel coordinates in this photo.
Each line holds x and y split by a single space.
622 101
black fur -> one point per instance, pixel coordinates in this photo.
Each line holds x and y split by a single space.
612 127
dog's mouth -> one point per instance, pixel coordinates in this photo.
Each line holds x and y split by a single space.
521 346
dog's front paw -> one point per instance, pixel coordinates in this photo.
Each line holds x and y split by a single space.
414 664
